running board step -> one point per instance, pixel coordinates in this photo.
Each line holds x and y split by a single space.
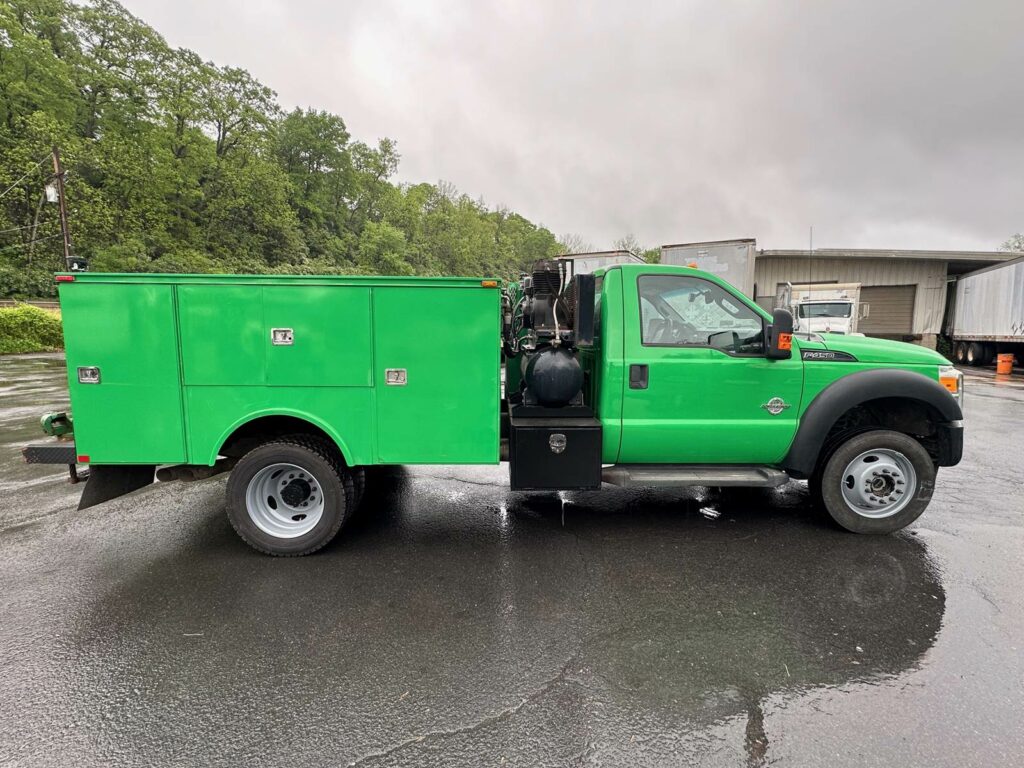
678 475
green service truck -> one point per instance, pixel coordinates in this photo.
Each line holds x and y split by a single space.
637 375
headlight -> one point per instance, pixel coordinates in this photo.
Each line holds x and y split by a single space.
952 380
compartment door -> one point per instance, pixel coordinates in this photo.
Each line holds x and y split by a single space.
327 336
441 345
133 415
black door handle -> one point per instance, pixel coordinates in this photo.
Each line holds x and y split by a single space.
638 377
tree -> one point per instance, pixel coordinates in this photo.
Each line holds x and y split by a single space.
382 250
116 65
631 244
178 164
312 147
240 109
573 243
32 79
1015 243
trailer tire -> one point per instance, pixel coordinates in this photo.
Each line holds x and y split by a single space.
291 496
960 353
975 353
897 464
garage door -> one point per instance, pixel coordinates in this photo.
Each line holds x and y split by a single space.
890 309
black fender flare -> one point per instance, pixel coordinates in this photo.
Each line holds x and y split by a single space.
852 390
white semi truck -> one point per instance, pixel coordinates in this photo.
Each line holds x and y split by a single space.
824 307
988 314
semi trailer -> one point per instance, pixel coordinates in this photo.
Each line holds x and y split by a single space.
635 375
988 314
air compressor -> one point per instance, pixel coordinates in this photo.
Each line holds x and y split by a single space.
554 436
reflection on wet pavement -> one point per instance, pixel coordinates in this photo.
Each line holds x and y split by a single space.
30 385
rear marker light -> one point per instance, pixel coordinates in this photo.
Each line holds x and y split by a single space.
84 459
64 278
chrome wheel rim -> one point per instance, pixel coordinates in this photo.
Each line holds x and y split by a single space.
879 483
284 500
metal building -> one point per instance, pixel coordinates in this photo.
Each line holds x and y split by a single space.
904 291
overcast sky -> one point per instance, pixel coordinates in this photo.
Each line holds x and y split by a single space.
883 124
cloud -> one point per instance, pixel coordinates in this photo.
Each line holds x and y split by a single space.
893 125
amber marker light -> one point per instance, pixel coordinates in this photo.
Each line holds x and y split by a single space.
953 380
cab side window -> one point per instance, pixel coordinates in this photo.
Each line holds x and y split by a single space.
684 311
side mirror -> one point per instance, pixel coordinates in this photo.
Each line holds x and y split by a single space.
780 336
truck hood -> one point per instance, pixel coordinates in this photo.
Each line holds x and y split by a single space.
870 350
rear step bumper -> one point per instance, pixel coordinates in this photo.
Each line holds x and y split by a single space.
681 475
106 482
50 453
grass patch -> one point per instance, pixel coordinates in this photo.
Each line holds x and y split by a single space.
25 328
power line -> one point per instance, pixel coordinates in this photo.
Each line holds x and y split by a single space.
27 226
30 242
30 172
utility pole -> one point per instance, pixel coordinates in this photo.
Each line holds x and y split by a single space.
58 173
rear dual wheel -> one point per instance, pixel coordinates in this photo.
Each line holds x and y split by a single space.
875 482
977 353
291 496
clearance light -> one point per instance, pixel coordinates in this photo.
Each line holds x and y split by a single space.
64 278
692 265
489 283
952 380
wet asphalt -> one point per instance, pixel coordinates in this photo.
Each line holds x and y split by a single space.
455 623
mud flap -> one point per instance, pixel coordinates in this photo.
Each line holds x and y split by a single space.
108 481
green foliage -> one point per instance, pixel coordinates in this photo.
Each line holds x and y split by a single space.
24 328
176 164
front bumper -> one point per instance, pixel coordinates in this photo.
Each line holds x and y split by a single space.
951 443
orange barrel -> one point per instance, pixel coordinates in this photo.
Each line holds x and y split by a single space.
1004 363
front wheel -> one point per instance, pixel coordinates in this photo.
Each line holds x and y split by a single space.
877 482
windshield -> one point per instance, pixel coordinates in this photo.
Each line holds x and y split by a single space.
829 309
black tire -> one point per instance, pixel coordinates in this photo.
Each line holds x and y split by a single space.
960 353
975 353
323 462
989 352
832 481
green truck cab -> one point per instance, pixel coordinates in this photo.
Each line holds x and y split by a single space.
638 375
